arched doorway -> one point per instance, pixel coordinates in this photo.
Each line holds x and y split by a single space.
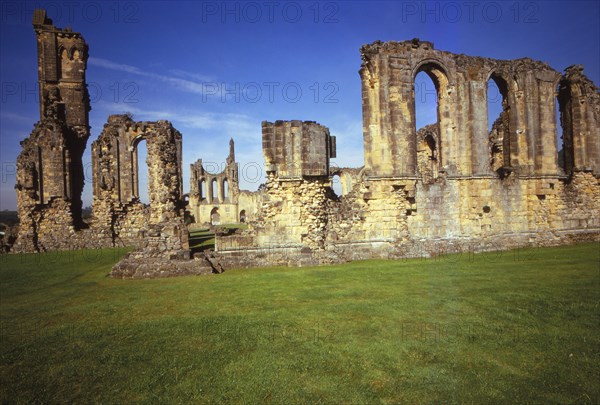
215 217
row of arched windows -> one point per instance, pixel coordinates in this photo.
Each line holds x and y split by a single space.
429 84
72 53
213 192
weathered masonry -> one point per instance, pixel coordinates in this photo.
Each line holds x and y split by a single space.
49 169
528 123
214 197
116 203
451 186
50 172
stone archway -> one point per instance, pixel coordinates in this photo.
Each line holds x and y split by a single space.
215 217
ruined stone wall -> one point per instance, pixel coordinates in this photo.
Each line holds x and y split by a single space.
498 215
49 168
449 187
462 187
249 204
298 187
452 186
213 197
295 149
394 218
348 177
375 211
528 88
116 208
297 158
295 212
50 171
579 103
158 231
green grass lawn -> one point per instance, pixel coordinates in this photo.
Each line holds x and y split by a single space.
512 327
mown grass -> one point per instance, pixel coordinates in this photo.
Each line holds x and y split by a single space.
511 327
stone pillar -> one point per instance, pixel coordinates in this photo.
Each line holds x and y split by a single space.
478 119
164 167
297 149
297 160
453 133
401 142
388 116
580 110
524 145
375 121
547 155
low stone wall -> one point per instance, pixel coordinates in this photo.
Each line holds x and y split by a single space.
132 267
461 249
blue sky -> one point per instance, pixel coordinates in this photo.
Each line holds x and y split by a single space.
217 69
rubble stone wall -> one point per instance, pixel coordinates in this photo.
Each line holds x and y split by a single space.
157 231
116 208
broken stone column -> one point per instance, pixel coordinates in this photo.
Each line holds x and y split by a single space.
49 168
579 103
298 186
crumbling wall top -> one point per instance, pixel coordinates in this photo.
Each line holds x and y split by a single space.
41 22
391 47
295 149
414 51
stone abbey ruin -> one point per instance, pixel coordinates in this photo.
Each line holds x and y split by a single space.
452 186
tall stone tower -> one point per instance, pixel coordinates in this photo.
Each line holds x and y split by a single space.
50 175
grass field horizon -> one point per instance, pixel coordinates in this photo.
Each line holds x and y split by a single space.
517 326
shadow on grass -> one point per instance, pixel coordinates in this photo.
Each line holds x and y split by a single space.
204 239
201 240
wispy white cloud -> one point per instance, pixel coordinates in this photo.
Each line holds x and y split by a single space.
115 66
239 125
193 76
10 116
196 87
